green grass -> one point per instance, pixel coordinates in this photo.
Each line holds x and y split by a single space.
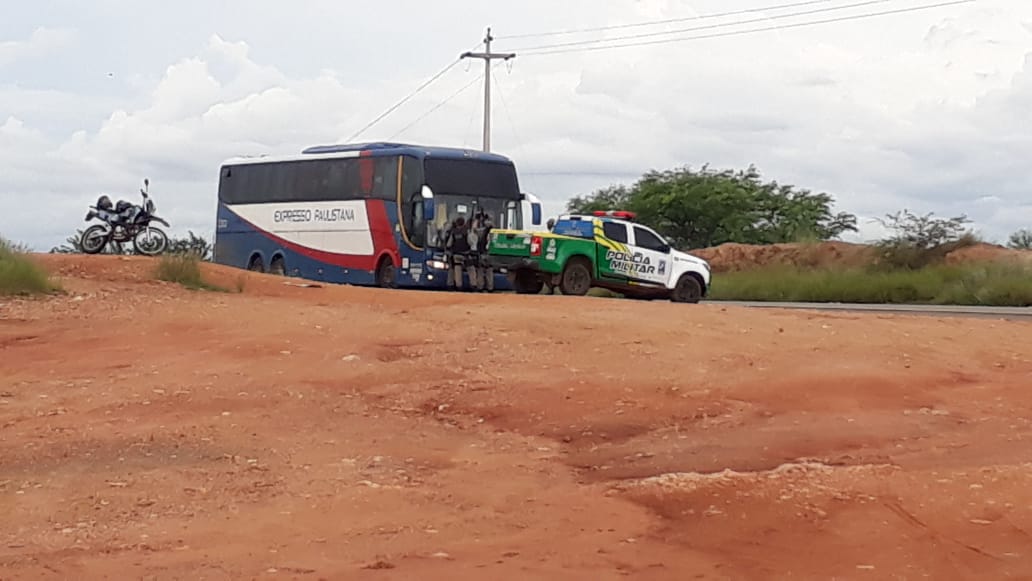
988 285
185 269
19 275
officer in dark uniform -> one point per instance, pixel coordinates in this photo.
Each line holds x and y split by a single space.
484 279
457 252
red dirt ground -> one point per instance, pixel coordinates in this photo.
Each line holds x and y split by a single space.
148 431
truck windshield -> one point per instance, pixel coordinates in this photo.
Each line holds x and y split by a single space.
503 213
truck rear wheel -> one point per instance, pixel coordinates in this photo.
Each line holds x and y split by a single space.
527 283
688 290
576 280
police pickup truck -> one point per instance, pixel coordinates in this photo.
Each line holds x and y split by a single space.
605 250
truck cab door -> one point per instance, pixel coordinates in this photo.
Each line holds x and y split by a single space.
612 247
651 257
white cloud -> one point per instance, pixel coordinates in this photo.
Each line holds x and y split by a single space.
43 40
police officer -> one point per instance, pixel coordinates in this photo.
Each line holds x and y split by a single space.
456 248
482 226
548 280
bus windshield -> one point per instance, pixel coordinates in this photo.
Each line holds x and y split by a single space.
464 187
503 213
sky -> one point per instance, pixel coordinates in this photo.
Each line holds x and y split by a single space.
929 111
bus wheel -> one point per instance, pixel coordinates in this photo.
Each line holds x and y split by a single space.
256 264
277 267
386 274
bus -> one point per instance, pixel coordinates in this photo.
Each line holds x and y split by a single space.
372 214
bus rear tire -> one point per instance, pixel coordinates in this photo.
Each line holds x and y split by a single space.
386 274
278 266
256 264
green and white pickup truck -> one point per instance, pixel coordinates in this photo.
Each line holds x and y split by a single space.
605 250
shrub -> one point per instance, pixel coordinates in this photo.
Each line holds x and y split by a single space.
183 268
920 241
19 274
1021 240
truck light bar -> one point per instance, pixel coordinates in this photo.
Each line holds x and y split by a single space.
619 214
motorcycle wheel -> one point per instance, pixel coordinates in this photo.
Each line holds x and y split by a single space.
150 241
94 239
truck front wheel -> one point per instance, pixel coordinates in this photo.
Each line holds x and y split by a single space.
576 280
688 290
527 283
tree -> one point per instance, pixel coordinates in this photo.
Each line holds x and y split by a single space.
1021 240
192 244
604 199
918 241
707 208
923 232
72 245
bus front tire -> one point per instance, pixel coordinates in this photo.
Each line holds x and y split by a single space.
386 274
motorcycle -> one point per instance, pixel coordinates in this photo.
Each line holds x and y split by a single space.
125 222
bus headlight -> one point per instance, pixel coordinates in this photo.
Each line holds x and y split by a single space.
438 264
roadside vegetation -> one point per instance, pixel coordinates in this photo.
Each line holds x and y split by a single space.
19 275
989 285
907 267
184 268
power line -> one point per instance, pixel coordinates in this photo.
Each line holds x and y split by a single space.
667 21
751 30
418 89
394 108
439 105
512 125
707 27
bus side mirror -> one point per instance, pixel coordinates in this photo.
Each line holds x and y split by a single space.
428 204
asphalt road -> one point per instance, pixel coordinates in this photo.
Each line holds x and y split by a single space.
1010 313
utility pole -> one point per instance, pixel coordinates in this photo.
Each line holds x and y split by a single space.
487 56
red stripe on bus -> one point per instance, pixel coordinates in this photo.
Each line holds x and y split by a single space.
382 235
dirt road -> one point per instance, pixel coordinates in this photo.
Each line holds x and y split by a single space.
147 431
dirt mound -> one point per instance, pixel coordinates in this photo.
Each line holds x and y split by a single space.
739 257
989 253
742 257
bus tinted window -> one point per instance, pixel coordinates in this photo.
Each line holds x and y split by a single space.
411 210
470 177
318 180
